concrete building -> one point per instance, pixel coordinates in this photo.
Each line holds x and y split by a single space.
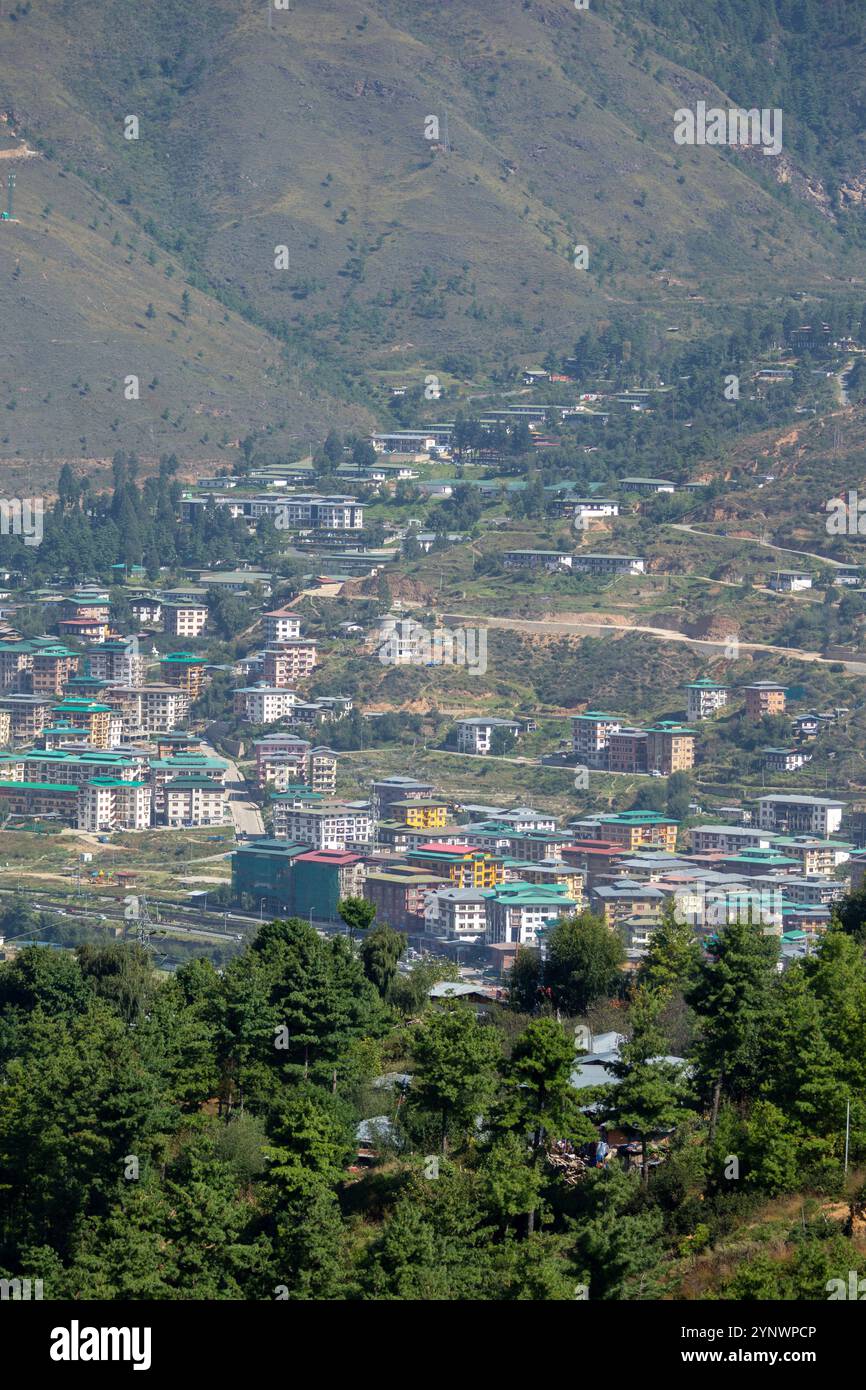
184 670
461 913
280 625
113 803
705 698
764 698
590 736
290 661
522 913
332 825
474 735
800 815
192 800
264 704
187 620
670 748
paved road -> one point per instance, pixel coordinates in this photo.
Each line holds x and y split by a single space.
751 540
246 816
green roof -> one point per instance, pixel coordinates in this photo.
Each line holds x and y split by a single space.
38 787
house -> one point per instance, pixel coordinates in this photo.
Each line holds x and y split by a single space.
789 581
280 625
461 913
550 560
784 759
647 485
263 704
608 564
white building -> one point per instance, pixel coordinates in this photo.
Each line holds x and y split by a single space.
281 625
800 815
191 801
789 581
705 698
337 825
110 803
728 839
474 735
590 736
264 704
461 913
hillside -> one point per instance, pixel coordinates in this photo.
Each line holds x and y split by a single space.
307 130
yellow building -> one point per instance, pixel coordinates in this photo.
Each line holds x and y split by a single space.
422 814
464 866
640 830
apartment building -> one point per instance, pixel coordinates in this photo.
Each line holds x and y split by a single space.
627 750
187 620
96 718
84 629
331 825
462 865
608 564
280 625
56 800
387 790
404 897
639 830
191 764
264 704
290 661
590 736
461 913
192 800
148 709
51 669
763 698
800 815
705 698
75 766
521 914
28 715
474 735
112 803
184 670
147 611
670 748
5 728
426 814
116 661
728 839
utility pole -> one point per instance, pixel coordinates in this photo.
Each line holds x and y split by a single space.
847 1132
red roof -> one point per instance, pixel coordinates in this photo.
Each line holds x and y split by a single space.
329 856
449 846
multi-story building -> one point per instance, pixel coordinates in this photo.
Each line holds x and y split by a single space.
461 865
193 800
289 662
387 790
184 619
192 764
616 901
28 715
590 736
800 815
84 629
784 759
75 766
82 605
521 914
817 857
264 704
51 668
705 698
670 748
461 913
148 709
116 661
728 839
763 698
89 715
640 829
331 825
627 750
280 625
184 670
56 800
428 814
608 564
111 803
321 877
147 611
5 728
283 760
474 735
404 897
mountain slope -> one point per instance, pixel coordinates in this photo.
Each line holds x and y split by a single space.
309 132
